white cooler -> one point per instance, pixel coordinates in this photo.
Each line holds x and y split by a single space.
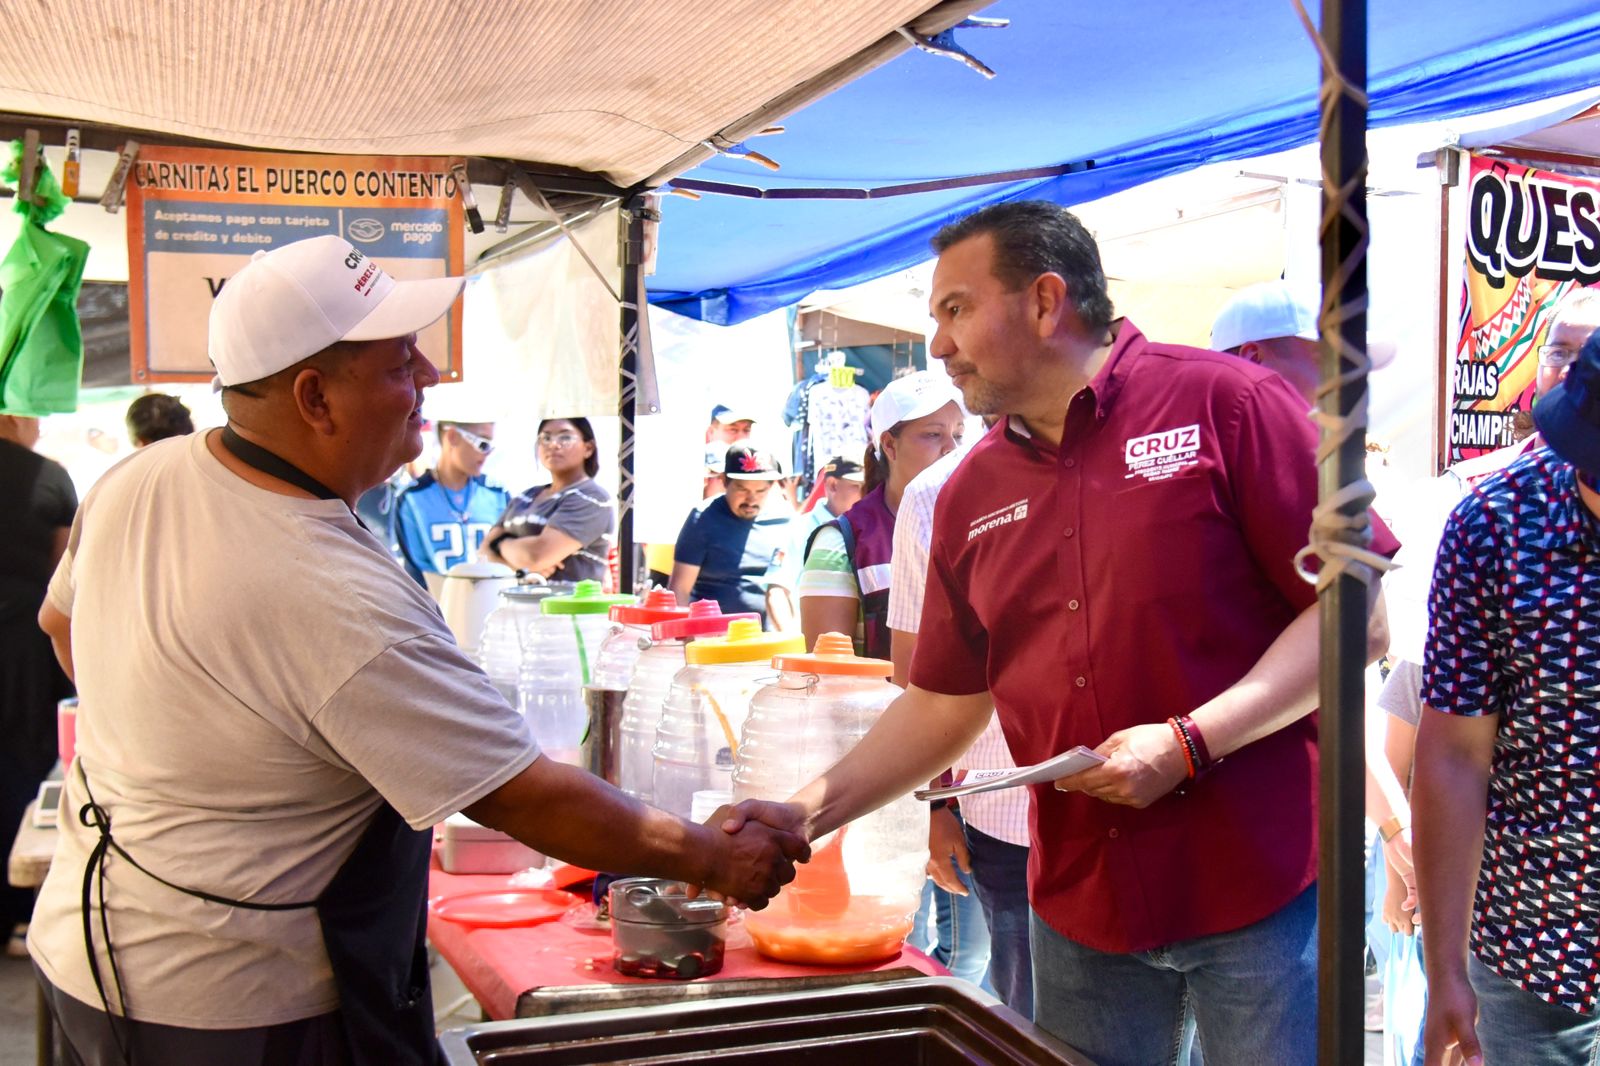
470 848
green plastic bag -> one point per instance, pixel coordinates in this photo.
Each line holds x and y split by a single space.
41 343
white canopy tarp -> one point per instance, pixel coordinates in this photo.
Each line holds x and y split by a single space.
612 87
543 330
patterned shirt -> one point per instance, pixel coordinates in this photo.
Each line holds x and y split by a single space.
1002 814
1516 632
837 420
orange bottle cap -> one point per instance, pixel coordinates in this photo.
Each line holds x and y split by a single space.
834 654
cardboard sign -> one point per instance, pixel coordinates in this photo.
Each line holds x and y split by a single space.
196 215
1532 237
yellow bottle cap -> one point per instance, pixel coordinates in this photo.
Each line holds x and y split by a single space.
744 643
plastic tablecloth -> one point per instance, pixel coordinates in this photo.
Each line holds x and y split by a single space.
498 965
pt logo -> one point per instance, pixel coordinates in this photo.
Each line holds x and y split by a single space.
1160 455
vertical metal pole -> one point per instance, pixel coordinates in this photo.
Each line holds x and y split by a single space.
632 238
1343 608
1448 164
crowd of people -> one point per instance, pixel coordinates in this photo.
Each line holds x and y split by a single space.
1111 563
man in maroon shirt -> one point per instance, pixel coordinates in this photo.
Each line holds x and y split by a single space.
1113 566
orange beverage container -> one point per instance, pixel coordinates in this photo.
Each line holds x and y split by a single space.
856 899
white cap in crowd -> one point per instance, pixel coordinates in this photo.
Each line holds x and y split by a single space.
913 396
292 302
1277 309
727 416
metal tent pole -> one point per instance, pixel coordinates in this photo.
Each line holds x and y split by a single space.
634 215
1343 602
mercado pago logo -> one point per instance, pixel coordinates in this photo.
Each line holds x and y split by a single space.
1160 455
1521 224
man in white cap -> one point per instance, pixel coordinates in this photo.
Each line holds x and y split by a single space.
728 426
1274 324
273 714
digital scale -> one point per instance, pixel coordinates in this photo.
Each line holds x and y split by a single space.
48 806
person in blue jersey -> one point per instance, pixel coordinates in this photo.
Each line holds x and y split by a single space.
443 519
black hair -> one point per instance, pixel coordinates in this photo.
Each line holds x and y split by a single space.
157 416
591 462
875 468
1034 237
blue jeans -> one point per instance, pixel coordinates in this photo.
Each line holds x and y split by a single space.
959 940
1515 1025
1405 989
1253 993
1000 874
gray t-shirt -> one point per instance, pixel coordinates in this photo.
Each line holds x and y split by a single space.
581 511
254 671
1401 694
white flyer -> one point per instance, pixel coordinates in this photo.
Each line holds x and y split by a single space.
969 781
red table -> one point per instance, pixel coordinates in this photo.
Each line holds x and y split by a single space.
499 965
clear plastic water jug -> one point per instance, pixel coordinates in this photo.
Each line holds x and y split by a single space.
698 735
504 632
856 899
629 634
658 663
558 654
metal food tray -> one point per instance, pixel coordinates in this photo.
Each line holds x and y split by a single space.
927 1021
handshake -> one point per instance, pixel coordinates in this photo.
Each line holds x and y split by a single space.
755 845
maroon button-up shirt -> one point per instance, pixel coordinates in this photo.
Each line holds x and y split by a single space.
1129 577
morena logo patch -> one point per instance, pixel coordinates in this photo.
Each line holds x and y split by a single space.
1004 516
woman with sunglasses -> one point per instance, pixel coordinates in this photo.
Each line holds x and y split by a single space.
559 530
444 518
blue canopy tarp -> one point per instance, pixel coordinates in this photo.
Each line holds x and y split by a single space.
1139 89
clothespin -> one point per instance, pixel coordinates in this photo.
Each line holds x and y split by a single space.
944 44
468 200
112 198
739 150
502 217
30 167
69 169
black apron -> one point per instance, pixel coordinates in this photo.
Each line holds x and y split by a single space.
373 914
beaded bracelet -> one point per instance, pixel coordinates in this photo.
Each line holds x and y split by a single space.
1184 746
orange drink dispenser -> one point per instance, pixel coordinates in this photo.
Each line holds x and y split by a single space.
856 899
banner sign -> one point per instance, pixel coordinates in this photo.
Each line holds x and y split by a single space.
1532 237
196 215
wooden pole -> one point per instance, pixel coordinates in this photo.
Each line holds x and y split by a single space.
1342 934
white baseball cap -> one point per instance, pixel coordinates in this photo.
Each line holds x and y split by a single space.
292 302
913 396
1277 309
